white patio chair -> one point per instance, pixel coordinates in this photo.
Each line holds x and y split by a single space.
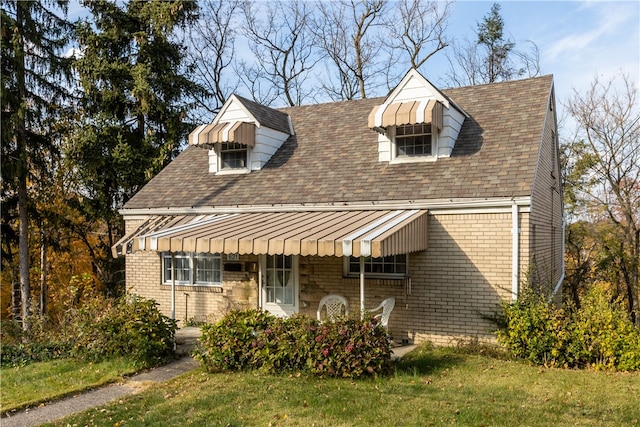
387 307
333 304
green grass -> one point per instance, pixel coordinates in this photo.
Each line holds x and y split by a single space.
430 387
39 382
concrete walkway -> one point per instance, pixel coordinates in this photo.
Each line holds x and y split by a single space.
186 339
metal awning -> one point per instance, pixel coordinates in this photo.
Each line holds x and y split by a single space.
213 133
332 233
407 113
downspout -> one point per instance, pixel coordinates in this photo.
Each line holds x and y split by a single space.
562 269
515 250
361 287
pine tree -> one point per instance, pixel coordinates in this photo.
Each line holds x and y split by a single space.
33 76
132 107
490 35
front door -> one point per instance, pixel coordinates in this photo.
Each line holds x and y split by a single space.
279 293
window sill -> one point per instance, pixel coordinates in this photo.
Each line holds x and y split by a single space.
377 276
195 285
233 171
413 159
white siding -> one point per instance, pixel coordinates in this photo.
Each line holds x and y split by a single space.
452 123
234 112
384 148
213 161
268 141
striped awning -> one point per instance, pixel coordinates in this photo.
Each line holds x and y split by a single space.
407 113
333 233
213 133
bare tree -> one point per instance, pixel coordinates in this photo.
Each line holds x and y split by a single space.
608 118
345 33
283 48
417 31
211 54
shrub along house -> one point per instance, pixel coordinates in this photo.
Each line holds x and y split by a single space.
447 201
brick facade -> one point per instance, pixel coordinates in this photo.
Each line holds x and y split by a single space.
454 285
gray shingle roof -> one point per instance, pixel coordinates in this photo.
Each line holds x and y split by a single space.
266 116
333 157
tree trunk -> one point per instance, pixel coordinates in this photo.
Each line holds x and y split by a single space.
43 273
23 171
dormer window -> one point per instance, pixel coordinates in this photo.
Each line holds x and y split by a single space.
233 156
413 140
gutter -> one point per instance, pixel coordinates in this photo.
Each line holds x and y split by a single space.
440 206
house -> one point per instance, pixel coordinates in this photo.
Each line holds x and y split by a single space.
450 201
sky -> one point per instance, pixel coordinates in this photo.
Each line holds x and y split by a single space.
577 40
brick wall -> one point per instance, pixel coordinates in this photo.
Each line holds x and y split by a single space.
239 290
461 277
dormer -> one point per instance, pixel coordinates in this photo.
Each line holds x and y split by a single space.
243 136
416 122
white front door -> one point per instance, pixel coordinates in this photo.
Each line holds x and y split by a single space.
279 292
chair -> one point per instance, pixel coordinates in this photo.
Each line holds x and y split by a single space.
387 307
333 305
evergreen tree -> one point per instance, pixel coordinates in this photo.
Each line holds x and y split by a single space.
33 73
491 37
132 108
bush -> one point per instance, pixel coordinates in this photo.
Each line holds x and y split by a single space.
41 343
599 335
603 335
230 343
252 339
100 329
131 326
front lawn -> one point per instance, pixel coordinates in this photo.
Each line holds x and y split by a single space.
430 387
39 382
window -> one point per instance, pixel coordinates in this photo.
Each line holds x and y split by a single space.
394 266
413 140
233 156
280 280
191 268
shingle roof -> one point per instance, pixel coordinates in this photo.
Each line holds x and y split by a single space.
274 119
333 157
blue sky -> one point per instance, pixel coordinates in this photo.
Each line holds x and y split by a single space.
577 39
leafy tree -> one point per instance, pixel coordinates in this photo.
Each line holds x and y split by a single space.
608 122
33 75
132 109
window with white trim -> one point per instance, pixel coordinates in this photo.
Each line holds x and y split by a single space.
413 140
233 156
389 267
200 269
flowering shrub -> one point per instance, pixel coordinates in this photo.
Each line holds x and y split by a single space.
252 339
